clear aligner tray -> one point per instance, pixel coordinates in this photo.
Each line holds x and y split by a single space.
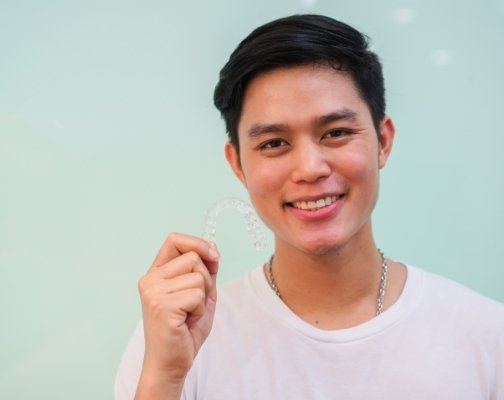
251 220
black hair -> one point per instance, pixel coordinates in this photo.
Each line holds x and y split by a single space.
296 40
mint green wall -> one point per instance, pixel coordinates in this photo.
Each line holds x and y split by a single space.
109 140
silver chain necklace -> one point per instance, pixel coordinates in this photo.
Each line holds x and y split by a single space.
383 281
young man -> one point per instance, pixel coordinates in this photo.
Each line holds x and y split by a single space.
328 316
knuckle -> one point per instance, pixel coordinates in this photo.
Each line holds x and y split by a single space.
146 296
141 284
200 294
172 324
172 236
193 257
199 279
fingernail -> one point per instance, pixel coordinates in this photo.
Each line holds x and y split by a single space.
213 253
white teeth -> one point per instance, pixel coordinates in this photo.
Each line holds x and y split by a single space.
314 205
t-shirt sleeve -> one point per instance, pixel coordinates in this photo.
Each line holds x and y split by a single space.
130 368
499 356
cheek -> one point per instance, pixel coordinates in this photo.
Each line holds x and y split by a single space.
359 163
265 179
264 186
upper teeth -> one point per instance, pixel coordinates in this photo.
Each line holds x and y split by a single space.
307 205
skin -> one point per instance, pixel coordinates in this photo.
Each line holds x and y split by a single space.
327 271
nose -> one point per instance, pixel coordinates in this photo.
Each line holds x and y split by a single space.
310 163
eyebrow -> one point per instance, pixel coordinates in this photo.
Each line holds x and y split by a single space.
343 114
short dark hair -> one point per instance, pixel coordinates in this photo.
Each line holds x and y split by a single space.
296 40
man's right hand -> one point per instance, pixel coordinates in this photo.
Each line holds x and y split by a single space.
178 295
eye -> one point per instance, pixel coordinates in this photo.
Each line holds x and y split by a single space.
343 132
266 145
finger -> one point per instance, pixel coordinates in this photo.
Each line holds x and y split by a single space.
189 301
182 265
177 244
192 280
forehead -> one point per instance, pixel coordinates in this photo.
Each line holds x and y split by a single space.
298 95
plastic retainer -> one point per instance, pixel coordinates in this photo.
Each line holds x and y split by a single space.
251 220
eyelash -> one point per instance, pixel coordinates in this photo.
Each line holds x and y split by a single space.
264 146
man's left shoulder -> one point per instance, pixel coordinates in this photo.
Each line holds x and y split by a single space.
468 303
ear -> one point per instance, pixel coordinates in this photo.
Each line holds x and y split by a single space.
387 131
233 158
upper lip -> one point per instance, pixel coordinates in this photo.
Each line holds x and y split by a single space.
315 197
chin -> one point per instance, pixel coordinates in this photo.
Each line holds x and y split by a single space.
321 247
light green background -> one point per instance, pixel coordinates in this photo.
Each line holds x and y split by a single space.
109 140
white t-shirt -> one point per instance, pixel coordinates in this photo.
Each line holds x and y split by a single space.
439 340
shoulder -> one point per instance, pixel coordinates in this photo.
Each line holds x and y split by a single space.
456 300
456 293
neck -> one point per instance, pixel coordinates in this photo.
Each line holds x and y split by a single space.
338 281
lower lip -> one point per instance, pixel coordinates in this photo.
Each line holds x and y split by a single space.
324 212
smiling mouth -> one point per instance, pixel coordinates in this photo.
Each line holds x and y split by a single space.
315 205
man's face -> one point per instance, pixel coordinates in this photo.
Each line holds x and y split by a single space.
305 159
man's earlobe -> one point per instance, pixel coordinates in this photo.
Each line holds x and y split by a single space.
387 133
233 158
